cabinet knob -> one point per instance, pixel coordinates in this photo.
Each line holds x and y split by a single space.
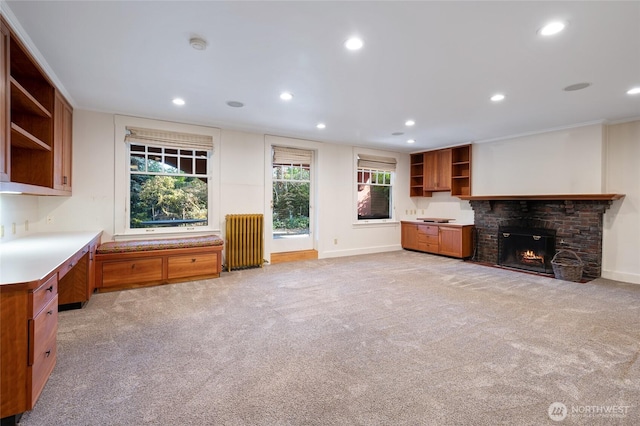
50 312
133 266
47 353
64 180
50 289
193 260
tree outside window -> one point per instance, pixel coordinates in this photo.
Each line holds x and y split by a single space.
168 187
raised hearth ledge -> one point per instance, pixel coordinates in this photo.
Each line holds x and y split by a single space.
563 197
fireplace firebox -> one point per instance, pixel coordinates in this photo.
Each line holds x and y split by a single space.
530 249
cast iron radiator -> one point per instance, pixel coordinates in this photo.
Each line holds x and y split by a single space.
245 247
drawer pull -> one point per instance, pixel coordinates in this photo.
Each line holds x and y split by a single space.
193 260
50 289
133 266
47 353
70 265
50 312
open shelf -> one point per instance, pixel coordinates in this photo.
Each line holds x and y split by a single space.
23 101
22 139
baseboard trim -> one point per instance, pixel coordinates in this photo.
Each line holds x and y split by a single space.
293 256
621 276
355 252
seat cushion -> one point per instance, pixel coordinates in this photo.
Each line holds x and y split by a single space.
159 244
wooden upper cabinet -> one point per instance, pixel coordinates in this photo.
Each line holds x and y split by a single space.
62 144
35 124
437 170
441 170
5 146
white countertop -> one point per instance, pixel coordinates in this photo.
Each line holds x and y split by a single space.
33 257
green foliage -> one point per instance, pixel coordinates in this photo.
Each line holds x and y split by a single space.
291 204
156 198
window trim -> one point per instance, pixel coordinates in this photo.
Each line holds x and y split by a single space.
393 220
122 178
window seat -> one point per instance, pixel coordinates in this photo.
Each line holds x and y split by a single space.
140 263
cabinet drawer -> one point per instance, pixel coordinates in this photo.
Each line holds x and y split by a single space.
131 272
43 358
193 265
71 262
428 229
44 294
428 239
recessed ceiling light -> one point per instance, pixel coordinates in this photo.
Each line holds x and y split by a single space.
634 91
178 101
497 97
286 96
235 104
198 43
409 123
354 43
321 125
397 133
577 86
411 141
552 28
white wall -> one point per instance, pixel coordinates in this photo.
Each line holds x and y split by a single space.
566 161
621 239
242 189
580 160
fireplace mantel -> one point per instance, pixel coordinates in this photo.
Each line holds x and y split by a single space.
549 197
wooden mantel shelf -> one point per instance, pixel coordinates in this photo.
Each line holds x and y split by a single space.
550 197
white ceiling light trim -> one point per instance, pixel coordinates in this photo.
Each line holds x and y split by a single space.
497 97
411 141
634 91
198 43
409 123
178 101
286 96
552 28
321 126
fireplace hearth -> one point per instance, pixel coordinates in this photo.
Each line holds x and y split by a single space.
576 221
530 249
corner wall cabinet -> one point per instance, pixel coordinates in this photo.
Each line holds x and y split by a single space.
438 238
36 144
39 273
441 170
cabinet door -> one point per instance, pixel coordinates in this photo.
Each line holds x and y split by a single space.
62 144
5 145
430 170
451 241
409 236
444 170
437 170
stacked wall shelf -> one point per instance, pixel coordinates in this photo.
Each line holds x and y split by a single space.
461 170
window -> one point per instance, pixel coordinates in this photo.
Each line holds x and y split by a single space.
168 187
167 178
291 177
375 176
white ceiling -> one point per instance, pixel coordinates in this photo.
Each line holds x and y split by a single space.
435 62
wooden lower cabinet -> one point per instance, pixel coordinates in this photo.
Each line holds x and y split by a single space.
29 325
446 239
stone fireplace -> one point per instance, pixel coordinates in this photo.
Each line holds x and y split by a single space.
537 226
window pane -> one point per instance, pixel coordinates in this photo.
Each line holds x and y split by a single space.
374 202
168 201
154 149
290 208
186 165
137 163
201 166
171 151
138 148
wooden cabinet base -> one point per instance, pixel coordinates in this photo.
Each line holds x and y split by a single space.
120 271
445 239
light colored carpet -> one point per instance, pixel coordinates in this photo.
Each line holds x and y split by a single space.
385 339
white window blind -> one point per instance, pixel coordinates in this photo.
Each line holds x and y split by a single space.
169 139
282 155
376 163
